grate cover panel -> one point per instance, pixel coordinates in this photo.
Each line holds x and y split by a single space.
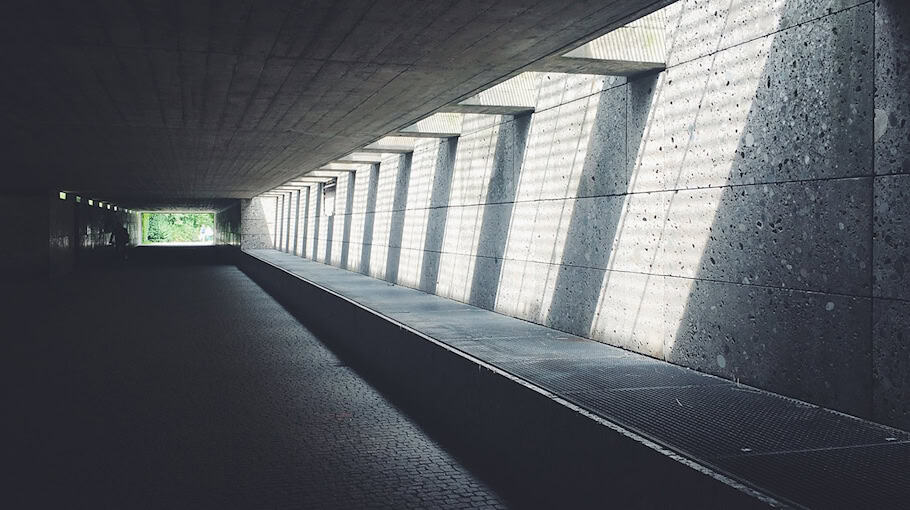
474 324
539 348
401 308
604 374
712 421
863 477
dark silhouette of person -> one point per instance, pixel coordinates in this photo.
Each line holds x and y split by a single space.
120 237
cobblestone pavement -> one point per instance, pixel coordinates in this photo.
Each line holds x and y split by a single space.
190 387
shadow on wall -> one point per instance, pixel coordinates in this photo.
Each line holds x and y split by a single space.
329 237
396 228
468 195
316 219
436 216
277 229
303 222
778 298
497 210
594 219
559 143
369 218
348 207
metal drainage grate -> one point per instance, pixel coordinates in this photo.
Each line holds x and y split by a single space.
599 375
707 422
864 477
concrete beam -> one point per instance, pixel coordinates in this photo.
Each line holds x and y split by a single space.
512 97
330 174
308 180
360 158
573 65
636 48
392 144
342 167
438 125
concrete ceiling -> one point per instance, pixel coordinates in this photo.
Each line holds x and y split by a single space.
146 102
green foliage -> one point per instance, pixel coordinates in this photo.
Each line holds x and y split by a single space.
174 227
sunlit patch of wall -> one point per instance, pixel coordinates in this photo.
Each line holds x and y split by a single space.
313 219
743 154
330 208
278 234
293 221
386 187
416 212
358 216
555 160
288 232
302 221
697 113
470 180
257 223
341 221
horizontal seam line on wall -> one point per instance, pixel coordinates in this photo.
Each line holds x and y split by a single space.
614 195
622 271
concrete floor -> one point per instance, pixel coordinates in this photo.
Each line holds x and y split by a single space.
185 386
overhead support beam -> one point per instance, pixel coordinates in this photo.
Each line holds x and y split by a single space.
392 144
636 48
360 158
330 174
514 96
438 125
343 167
312 180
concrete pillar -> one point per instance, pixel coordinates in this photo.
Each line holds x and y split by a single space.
277 230
317 213
296 221
289 220
305 220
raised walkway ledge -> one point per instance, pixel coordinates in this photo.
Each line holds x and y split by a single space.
552 419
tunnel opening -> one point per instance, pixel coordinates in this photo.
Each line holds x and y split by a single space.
178 228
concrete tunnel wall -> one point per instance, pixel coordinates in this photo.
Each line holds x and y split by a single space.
742 213
227 225
257 223
49 236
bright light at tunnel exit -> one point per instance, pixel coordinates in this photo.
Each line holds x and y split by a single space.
177 228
